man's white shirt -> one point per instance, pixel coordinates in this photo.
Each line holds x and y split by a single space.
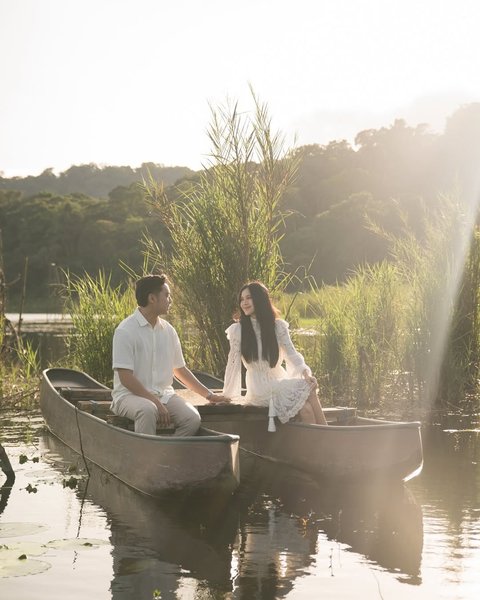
150 352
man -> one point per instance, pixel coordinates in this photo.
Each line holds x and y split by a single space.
146 356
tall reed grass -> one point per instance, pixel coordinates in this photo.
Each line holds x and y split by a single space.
96 308
404 333
225 230
19 368
373 341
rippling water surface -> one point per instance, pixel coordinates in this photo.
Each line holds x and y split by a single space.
66 535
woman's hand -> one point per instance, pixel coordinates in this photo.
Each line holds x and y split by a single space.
309 378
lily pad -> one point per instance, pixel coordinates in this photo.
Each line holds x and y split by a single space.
76 543
16 529
16 549
20 568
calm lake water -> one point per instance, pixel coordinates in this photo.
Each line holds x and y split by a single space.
280 536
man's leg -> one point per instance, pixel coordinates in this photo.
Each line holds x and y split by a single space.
183 415
142 411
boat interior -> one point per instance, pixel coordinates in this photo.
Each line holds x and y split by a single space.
98 401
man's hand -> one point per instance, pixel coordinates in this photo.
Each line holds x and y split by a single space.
218 399
163 416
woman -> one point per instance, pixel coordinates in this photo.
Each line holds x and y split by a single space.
262 342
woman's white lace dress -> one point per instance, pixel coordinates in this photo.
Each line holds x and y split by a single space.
282 389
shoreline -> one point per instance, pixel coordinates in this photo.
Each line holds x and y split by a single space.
39 318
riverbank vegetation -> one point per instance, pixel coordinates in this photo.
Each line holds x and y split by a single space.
90 218
402 336
96 307
18 361
226 227
392 265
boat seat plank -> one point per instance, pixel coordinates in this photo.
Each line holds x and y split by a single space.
74 394
94 405
225 411
97 401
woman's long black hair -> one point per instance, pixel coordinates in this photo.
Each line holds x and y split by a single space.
265 313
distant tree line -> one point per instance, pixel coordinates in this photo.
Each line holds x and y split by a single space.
91 179
90 217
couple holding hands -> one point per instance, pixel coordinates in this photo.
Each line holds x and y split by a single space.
147 355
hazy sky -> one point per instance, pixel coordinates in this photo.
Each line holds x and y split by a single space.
129 81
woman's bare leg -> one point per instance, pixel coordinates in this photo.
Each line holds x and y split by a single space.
306 413
317 408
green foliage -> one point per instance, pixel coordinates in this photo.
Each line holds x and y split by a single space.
90 217
403 333
356 343
225 229
96 308
72 233
441 274
19 376
19 367
339 239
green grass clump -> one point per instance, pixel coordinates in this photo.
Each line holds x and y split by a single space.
225 228
96 308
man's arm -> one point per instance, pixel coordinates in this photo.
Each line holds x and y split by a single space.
133 385
192 383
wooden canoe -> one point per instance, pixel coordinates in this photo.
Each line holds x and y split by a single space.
153 465
350 449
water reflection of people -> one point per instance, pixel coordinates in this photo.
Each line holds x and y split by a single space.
254 550
159 545
216 544
272 550
254 544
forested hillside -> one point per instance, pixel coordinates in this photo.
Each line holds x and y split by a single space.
91 217
91 179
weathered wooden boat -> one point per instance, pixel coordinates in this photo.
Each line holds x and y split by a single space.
350 448
76 410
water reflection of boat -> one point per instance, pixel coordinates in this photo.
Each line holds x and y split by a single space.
224 545
254 544
6 487
382 522
219 543
156 543
6 466
5 492
161 542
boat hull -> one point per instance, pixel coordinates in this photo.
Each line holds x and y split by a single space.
350 448
154 465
